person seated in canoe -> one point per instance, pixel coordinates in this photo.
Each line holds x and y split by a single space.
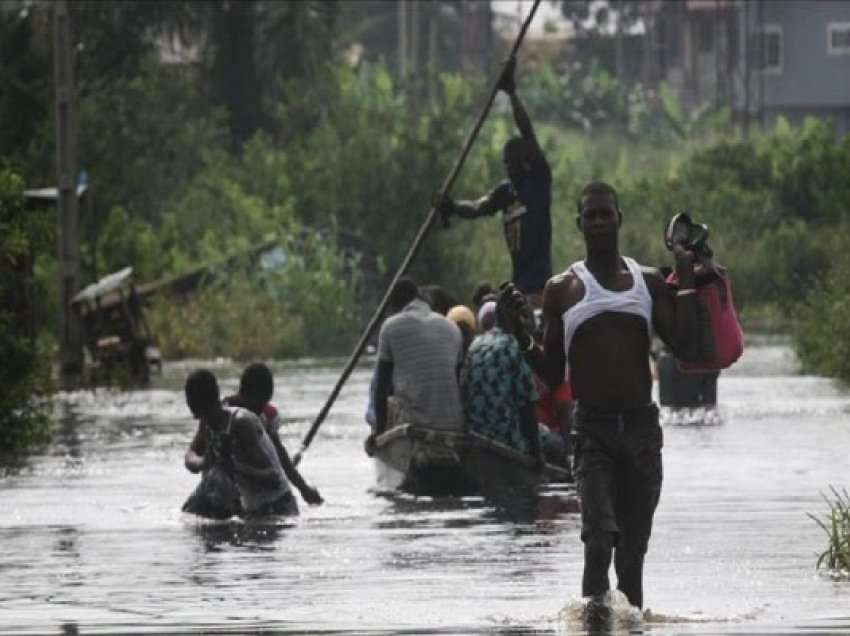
554 413
235 440
463 317
524 200
256 387
498 390
482 293
419 356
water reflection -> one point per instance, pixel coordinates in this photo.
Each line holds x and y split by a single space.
254 535
103 546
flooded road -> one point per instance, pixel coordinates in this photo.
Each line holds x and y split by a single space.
92 539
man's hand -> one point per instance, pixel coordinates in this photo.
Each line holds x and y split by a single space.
516 307
369 445
684 256
506 81
445 206
311 495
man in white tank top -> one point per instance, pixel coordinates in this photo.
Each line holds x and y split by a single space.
599 318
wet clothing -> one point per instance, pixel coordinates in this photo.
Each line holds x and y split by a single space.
286 504
215 496
497 386
598 300
619 475
425 349
528 226
550 402
253 496
271 418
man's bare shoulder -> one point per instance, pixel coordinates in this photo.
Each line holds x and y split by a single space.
562 291
654 278
245 422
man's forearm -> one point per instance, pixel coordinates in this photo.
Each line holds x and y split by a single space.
689 334
289 468
473 209
521 118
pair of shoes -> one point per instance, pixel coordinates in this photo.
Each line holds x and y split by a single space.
596 612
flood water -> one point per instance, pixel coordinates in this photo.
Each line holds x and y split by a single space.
92 539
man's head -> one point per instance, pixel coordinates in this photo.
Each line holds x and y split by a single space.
256 386
599 216
487 316
479 296
405 290
465 320
517 157
202 394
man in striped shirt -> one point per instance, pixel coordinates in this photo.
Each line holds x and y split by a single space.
419 356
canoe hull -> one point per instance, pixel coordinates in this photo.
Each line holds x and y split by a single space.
428 462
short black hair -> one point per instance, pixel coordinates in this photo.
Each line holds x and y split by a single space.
201 389
403 292
483 289
257 382
597 187
438 298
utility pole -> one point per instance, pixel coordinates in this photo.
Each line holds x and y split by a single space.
402 40
66 172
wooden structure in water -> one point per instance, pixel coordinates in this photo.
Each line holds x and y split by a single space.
117 339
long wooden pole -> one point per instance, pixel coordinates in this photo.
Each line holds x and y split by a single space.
414 248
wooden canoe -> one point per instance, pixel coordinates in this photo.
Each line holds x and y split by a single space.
423 461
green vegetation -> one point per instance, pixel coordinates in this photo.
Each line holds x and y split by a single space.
24 374
836 524
192 162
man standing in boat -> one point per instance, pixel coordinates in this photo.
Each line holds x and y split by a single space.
524 199
600 316
419 357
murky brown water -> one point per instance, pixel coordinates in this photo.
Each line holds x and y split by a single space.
92 539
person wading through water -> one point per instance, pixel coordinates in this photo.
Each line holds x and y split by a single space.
524 199
256 387
234 437
599 319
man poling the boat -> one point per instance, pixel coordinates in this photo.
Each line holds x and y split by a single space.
524 199
599 318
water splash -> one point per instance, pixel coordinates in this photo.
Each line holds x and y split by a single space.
613 615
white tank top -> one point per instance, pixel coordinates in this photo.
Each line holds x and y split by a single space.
597 300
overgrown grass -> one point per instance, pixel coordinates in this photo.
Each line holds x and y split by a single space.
836 524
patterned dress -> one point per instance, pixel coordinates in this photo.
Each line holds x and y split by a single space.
496 384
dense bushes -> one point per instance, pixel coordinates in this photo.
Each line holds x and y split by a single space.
24 372
300 303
